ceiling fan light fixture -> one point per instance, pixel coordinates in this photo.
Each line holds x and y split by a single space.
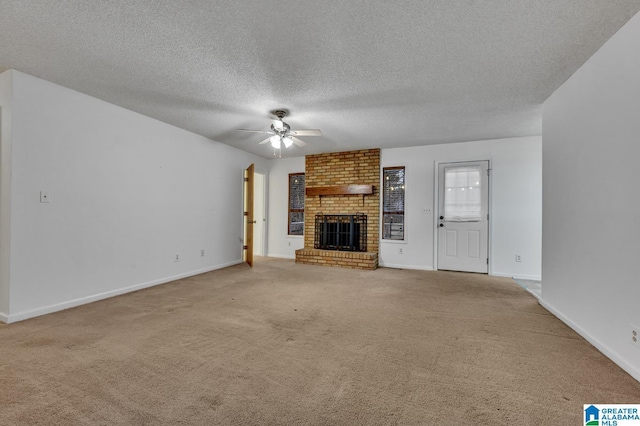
278 125
287 141
275 141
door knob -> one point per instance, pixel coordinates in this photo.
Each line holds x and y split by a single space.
442 225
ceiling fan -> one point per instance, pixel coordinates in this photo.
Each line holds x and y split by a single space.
281 133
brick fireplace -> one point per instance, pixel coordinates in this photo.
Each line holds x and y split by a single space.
345 184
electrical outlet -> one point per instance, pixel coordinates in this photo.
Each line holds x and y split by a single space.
176 258
202 253
400 250
635 336
518 258
44 196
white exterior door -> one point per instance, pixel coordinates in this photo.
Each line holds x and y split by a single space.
463 209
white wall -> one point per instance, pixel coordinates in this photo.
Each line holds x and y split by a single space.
279 243
127 193
5 189
516 196
516 203
591 236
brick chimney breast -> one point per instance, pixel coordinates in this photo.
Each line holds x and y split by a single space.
339 169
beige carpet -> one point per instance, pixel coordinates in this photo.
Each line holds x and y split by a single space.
287 344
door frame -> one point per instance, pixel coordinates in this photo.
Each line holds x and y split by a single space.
263 219
436 208
5 214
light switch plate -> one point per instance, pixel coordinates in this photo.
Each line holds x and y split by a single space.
44 196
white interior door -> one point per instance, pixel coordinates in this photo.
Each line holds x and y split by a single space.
463 213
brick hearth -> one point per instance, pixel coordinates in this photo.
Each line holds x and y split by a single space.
344 259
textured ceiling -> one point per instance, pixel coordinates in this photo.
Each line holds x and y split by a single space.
367 73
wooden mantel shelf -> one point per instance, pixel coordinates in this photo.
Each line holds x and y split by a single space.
340 190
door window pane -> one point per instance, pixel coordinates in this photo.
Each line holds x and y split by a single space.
462 195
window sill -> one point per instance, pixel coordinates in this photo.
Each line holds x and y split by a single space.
383 241
295 237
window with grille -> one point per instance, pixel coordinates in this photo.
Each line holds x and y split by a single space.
393 203
296 203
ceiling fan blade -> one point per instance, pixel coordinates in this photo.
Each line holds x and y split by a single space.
254 131
265 141
278 124
308 132
297 141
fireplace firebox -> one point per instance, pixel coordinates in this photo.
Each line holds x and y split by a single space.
343 232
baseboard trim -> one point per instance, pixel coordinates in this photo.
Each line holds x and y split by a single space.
282 256
4 318
606 350
518 277
528 277
21 316
401 266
